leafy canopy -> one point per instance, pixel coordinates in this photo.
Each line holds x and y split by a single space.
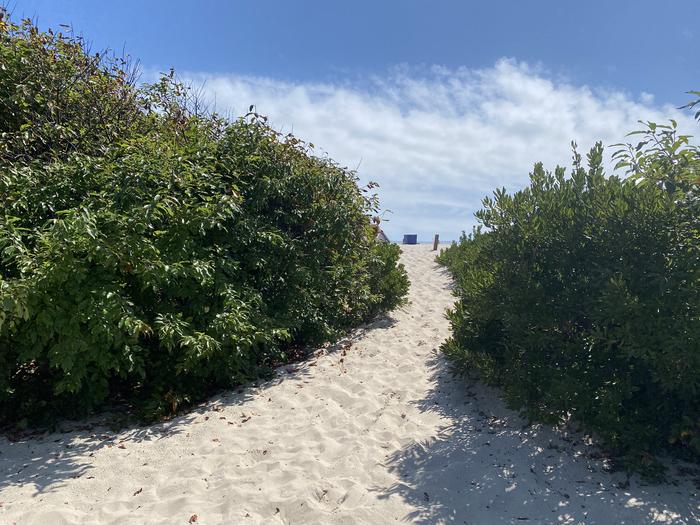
152 252
580 296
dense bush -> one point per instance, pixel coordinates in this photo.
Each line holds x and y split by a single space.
151 253
580 296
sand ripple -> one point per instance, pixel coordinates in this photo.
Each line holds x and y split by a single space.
372 430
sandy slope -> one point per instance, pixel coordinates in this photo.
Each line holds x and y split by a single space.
374 430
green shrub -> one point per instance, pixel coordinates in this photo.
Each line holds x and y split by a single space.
580 296
153 254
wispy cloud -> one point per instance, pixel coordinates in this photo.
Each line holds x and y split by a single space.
438 140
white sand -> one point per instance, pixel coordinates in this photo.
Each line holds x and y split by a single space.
374 430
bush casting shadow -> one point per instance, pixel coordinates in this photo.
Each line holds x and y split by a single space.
488 466
47 461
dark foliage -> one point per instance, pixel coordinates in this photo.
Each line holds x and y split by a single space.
153 253
580 296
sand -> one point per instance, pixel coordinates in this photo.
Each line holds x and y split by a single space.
372 430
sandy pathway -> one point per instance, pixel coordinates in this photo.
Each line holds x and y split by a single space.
374 430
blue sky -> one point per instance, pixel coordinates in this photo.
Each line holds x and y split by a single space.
439 101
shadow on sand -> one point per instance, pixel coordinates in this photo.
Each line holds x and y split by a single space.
48 460
488 466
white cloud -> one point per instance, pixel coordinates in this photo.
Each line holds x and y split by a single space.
438 140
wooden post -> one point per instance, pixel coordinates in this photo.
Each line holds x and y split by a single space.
436 241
